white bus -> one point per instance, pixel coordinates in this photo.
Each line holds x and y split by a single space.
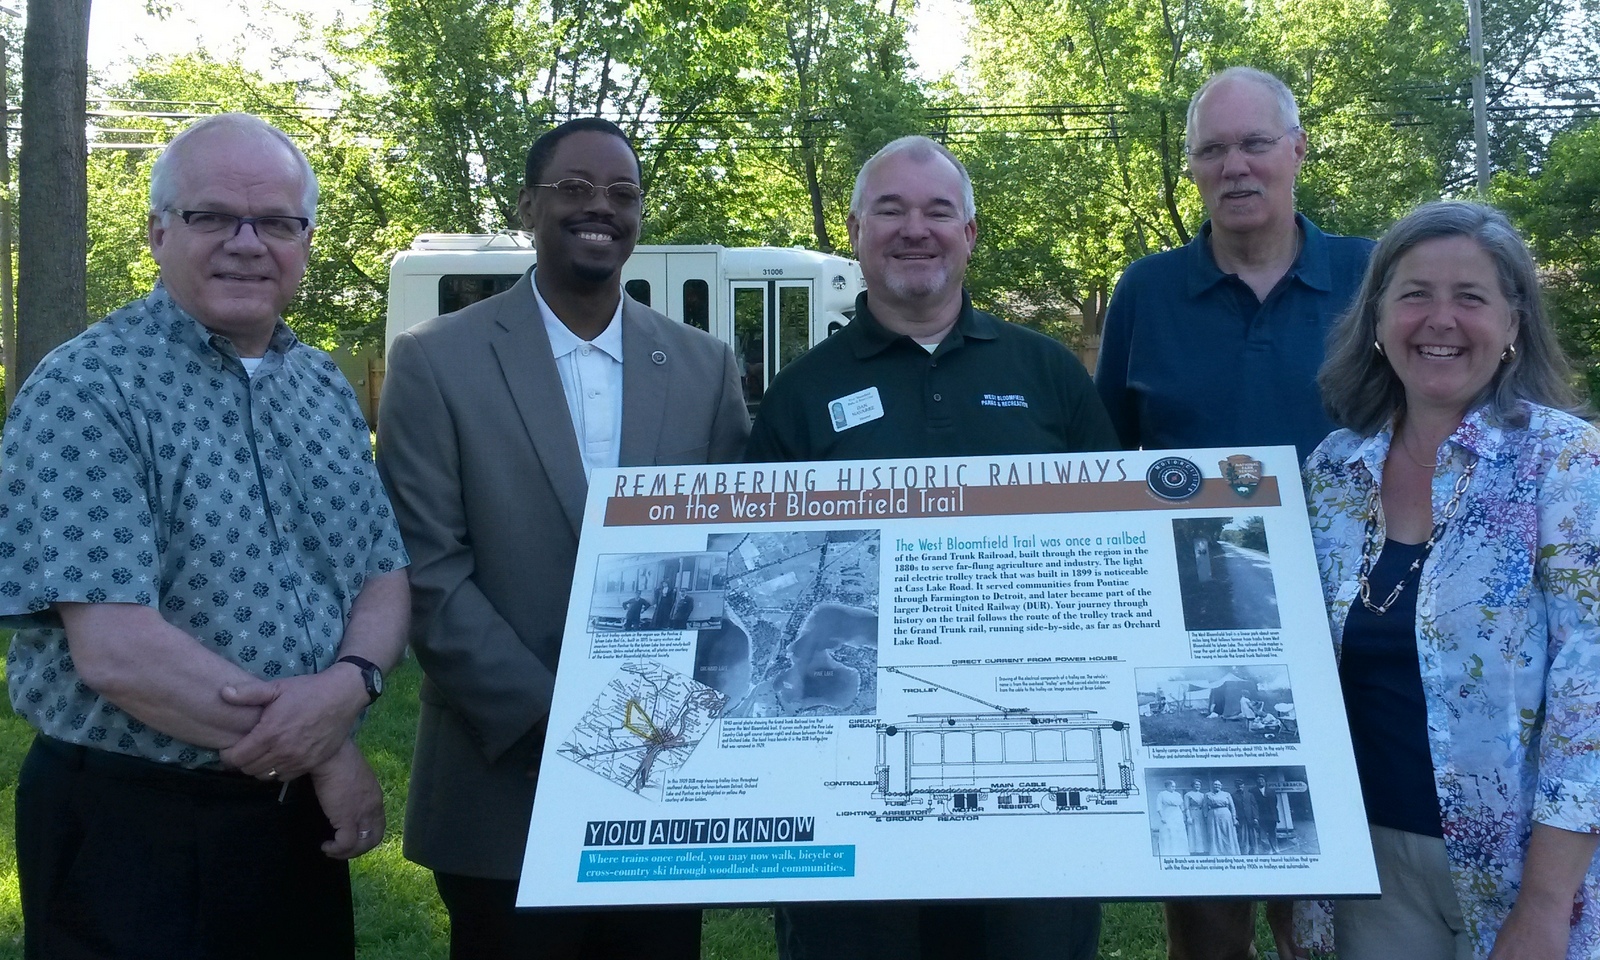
770 304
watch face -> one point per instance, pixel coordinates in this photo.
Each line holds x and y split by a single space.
375 682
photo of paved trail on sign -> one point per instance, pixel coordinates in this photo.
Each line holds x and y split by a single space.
646 722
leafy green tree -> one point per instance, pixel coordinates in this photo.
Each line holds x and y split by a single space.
368 206
738 108
1558 210
1086 113
461 92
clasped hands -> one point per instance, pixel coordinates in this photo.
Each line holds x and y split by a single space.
304 729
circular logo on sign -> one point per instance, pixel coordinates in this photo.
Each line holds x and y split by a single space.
1173 478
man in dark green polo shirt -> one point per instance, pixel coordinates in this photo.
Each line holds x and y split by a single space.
920 373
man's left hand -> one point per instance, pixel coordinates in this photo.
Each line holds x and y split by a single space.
304 720
352 800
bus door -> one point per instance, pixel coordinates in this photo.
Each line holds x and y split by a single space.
771 327
688 289
644 277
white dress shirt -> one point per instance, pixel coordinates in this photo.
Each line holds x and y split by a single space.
591 377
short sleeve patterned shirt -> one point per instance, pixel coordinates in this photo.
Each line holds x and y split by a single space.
140 464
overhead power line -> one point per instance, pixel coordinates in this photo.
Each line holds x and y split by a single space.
776 130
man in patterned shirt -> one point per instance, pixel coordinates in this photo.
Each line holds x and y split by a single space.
206 580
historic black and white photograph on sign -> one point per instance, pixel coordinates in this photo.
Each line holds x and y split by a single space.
1225 574
1230 812
658 591
800 635
1215 704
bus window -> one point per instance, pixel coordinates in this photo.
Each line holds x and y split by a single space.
639 290
697 304
794 323
749 338
459 290
1019 746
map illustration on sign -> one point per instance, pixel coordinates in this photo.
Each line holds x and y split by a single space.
799 635
646 722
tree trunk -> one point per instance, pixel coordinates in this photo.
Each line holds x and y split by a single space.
819 222
52 212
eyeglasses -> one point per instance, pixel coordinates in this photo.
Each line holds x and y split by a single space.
1251 146
623 193
275 227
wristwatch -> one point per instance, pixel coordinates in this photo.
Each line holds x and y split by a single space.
370 675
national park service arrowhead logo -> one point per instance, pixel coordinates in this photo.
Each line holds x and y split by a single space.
1242 473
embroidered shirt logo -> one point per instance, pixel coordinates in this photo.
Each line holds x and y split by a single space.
1004 400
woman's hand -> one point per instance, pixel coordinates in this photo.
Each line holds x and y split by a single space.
1540 922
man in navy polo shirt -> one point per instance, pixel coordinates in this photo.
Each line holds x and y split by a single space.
919 373
1218 343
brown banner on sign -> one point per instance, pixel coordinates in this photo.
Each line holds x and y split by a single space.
915 503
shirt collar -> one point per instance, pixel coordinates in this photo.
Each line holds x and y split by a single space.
183 328
868 337
563 341
1478 433
1310 267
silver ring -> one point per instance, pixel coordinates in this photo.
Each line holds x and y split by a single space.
363 834
272 774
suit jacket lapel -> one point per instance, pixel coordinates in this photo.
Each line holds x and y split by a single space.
523 349
646 374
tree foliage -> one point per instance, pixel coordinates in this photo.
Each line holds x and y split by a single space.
751 120
1559 212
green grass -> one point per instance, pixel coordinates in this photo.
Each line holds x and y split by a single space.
398 913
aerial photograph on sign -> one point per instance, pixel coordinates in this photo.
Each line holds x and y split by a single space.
799 632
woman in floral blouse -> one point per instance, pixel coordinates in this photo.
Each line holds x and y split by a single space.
1456 519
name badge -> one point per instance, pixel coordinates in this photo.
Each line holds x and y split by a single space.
863 406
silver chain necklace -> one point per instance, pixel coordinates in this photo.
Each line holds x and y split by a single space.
1369 555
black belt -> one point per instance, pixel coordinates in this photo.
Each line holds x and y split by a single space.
169 776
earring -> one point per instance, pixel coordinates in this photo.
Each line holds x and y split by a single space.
1378 346
1509 354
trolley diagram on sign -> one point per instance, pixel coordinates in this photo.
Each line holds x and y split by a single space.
1003 760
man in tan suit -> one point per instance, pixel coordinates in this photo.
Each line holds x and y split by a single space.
492 420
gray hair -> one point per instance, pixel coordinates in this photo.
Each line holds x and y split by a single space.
1288 110
1359 388
919 148
164 172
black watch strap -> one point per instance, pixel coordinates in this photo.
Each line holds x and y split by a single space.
370 675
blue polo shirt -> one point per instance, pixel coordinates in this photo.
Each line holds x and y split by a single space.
1190 358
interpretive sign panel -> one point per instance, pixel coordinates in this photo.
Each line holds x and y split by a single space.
1103 675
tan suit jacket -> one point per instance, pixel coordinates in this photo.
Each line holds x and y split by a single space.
477 449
